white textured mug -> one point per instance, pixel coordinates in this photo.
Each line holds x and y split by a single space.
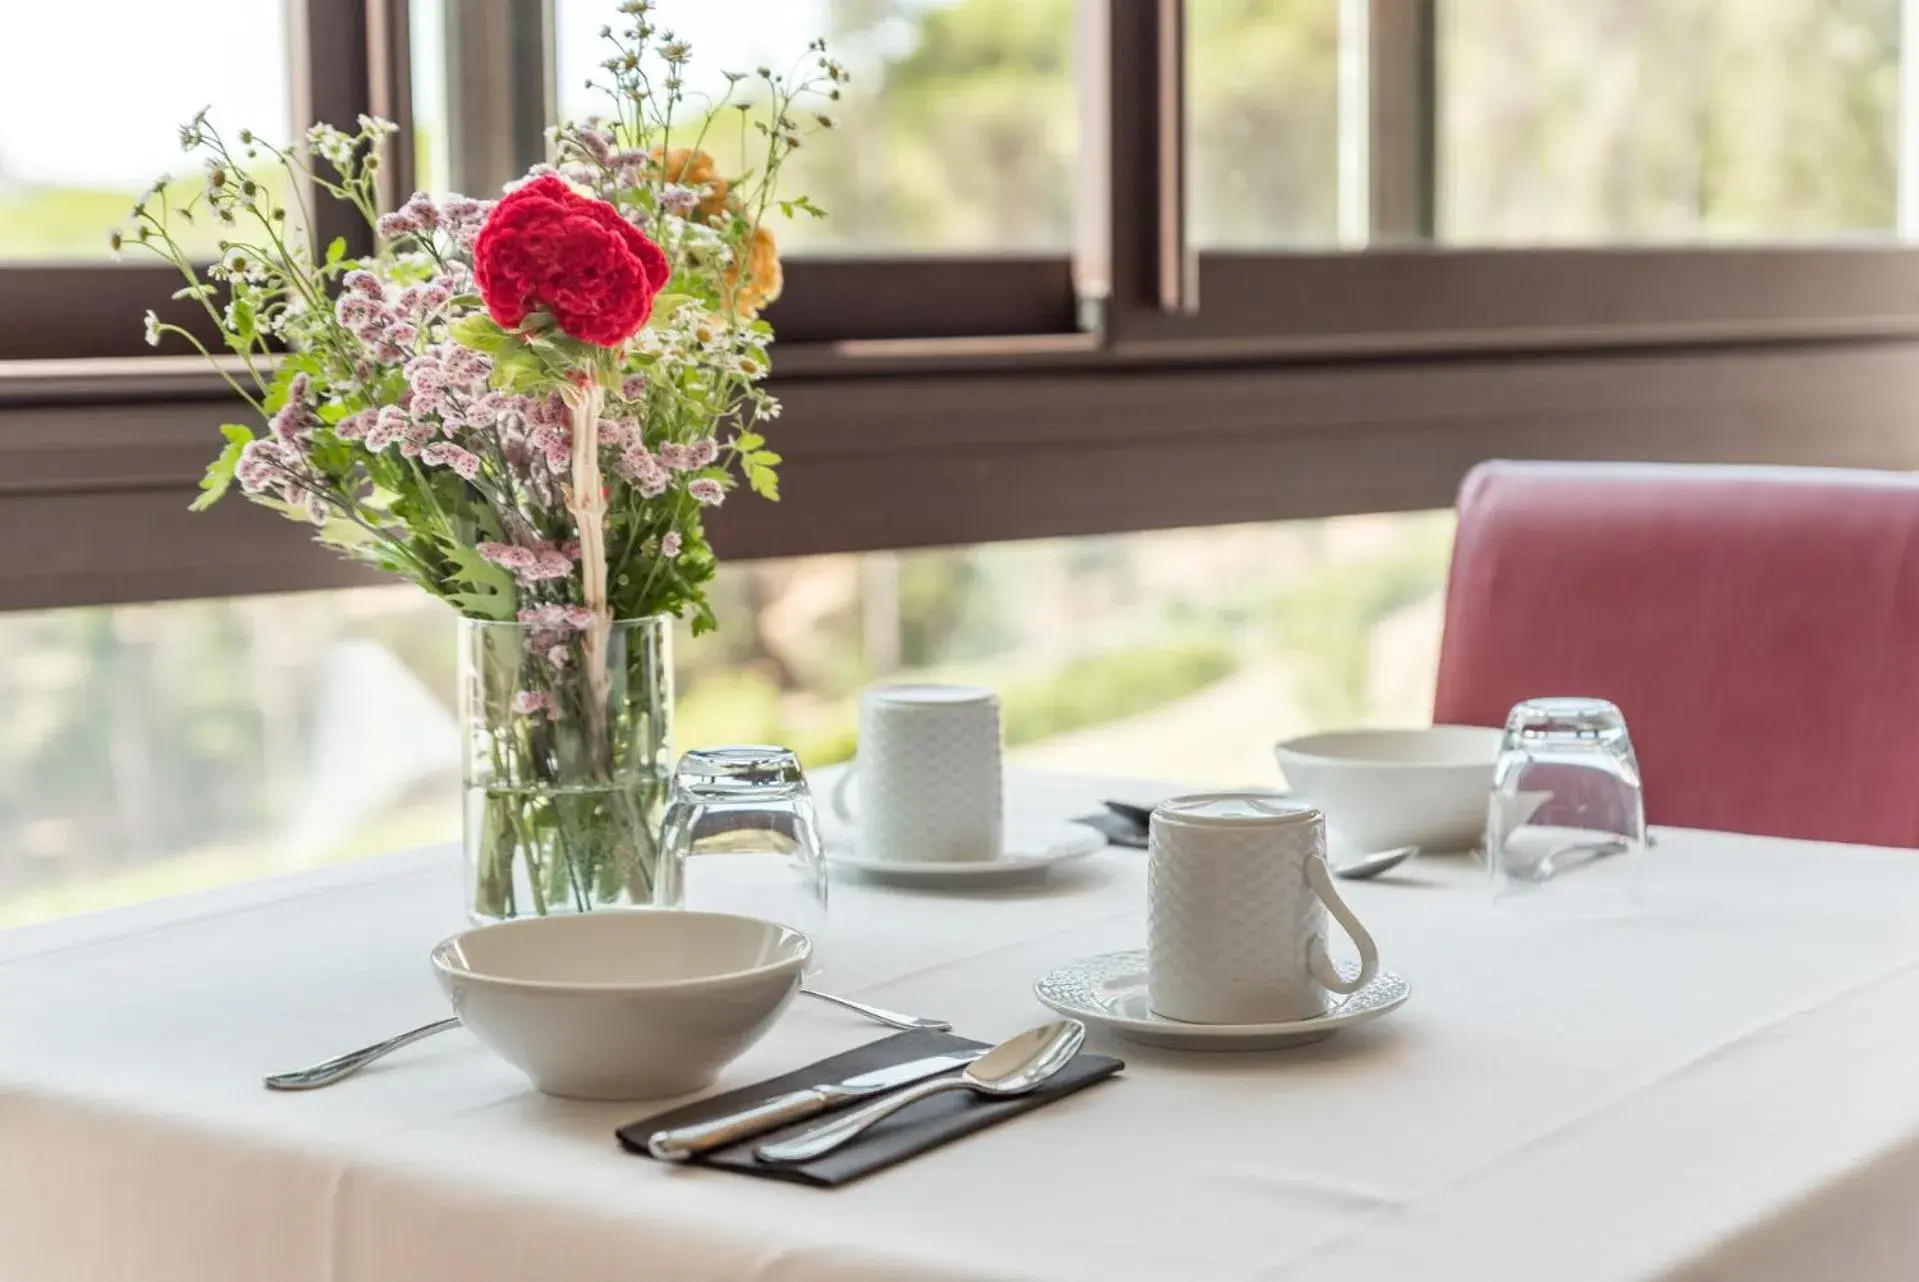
929 775
1237 895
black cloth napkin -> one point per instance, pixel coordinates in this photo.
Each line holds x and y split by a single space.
912 1130
1117 829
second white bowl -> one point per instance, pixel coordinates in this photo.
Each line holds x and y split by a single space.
639 1004
1383 788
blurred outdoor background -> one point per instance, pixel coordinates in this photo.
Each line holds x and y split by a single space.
159 748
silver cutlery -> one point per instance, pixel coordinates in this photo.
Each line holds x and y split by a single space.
879 1015
683 1142
1369 866
327 1072
1017 1065
330 1071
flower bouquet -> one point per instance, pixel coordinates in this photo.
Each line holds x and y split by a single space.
524 406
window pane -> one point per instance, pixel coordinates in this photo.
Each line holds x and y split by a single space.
1262 84
92 97
958 131
1667 120
158 749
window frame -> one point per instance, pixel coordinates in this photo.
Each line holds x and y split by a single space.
1134 385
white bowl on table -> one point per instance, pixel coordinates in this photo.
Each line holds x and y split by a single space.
638 1004
1385 788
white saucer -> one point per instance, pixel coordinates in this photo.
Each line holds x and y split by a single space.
1109 992
1029 850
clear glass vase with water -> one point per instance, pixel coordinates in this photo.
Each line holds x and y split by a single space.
568 750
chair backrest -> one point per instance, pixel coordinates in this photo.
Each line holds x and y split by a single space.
1759 628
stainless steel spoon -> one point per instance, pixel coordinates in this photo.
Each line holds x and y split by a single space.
880 1015
330 1071
1017 1065
1369 866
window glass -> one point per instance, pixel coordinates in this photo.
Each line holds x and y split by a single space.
1667 120
157 749
958 131
91 100
1263 122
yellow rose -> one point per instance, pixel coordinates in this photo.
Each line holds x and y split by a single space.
763 277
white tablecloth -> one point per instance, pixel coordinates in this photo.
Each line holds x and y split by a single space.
1724 1086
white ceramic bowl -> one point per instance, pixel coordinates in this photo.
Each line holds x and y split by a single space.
1385 788
639 1004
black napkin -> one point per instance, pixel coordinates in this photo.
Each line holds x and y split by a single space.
912 1130
1117 829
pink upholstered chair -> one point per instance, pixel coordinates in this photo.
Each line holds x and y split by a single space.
1759 627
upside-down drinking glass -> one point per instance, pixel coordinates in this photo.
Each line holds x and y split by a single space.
1566 792
740 836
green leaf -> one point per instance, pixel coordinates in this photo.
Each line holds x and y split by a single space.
518 370
338 532
494 595
194 291
219 477
665 305
765 482
481 333
336 251
240 321
749 440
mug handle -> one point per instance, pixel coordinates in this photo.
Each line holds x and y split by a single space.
1320 877
841 806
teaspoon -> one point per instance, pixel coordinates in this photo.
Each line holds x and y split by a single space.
1017 1065
330 1071
1369 866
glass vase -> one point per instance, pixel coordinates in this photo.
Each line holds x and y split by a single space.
566 765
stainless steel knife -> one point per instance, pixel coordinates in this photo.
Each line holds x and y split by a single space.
683 1142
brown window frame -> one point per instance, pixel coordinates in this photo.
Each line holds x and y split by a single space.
1135 385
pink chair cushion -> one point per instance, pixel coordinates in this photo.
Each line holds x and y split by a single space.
1759 628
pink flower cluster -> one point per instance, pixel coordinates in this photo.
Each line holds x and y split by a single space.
292 423
529 565
447 454
547 432
691 456
640 466
457 216
670 545
268 466
450 382
531 702
707 492
573 617
648 471
367 314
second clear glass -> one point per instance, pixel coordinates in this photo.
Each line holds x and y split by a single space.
1566 792
741 836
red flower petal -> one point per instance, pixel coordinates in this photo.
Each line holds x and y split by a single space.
547 247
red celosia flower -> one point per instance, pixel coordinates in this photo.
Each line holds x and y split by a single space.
546 246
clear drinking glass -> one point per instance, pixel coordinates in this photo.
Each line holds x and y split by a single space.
741 836
1566 792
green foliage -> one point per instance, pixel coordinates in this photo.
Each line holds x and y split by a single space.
1323 620
490 593
1110 685
480 332
219 476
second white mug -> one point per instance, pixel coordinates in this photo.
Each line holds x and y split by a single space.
928 775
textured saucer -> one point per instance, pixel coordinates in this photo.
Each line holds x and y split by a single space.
1029 850
1108 992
